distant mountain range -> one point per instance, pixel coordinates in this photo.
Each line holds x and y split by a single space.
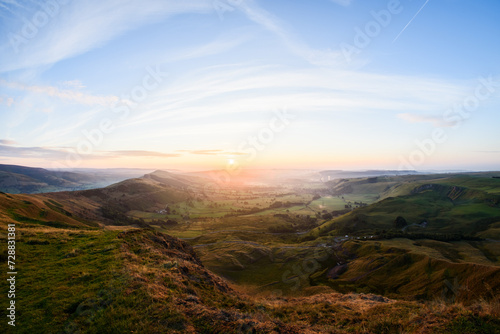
20 179
338 174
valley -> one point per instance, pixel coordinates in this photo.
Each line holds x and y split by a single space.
262 253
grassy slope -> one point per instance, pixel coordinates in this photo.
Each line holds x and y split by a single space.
393 186
137 194
426 272
399 268
40 210
459 204
64 278
143 281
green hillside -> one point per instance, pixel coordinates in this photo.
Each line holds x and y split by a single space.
467 205
144 194
40 210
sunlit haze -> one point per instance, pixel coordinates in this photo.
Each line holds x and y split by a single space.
200 85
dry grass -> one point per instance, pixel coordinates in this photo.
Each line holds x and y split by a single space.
158 285
174 281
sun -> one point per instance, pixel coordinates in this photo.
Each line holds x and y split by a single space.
230 162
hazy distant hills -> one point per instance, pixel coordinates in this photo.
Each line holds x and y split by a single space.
337 174
19 179
280 177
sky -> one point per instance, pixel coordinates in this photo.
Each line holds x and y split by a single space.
196 84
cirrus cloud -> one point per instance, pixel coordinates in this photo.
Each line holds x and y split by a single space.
434 120
64 94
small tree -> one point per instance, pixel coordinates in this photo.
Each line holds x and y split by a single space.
400 222
327 216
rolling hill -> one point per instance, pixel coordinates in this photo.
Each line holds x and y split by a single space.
20 179
40 210
456 204
144 281
151 192
102 206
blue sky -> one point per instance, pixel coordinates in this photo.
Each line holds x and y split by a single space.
341 84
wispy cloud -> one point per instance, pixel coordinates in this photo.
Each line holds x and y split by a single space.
248 89
434 120
206 152
84 25
76 84
212 152
235 153
342 2
81 26
221 44
488 152
8 101
64 94
60 153
140 153
32 152
294 44
7 142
